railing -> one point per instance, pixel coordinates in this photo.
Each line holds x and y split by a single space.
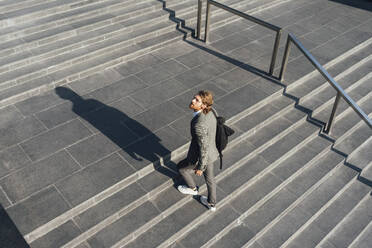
278 30
340 92
291 39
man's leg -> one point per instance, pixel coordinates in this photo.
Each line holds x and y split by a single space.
186 170
211 184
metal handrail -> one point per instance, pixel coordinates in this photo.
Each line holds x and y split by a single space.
278 30
340 92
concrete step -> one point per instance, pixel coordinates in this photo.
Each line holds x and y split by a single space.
356 135
12 92
342 73
63 30
361 158
62 46
364 239
295 73
297 214
352 225
77 24
220 17
24 14
86 11
147 239
42 11
283 211
308 234
59 61
252 142
80 37
328 216
167 231
288 167
257 195
84 69
7 5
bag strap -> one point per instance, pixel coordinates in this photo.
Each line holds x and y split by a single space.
221 161
215 112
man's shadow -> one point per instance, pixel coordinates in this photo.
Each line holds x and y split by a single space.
142 145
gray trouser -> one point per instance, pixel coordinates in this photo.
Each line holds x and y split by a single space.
186 169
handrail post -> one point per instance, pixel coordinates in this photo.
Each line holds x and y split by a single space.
198 25
275 51
207 22
285 58
331 118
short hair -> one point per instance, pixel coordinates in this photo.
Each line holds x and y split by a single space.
207 99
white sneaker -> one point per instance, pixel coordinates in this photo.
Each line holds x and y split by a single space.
204 201
186 190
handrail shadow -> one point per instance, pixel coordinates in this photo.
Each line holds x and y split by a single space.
181 24
114 125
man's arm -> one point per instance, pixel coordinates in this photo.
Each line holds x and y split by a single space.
202 138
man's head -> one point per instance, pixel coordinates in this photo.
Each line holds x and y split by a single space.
202 101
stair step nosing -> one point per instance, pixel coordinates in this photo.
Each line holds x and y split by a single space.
87 204
88 56
184 231
224 201
64 19
295 204
320 211
87 72
343 220
271 194
365 231
297 173
293 236
343 74
74 32
331 63
267 197
9 22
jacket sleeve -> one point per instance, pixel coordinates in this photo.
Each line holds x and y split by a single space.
202 138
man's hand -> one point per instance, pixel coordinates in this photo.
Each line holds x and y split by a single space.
198 172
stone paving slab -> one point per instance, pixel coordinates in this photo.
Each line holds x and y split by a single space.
38 175
197 237
11 159
55 139
58 237
123 226
42 206
353 224
4 201
109 206
282 230
93 179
